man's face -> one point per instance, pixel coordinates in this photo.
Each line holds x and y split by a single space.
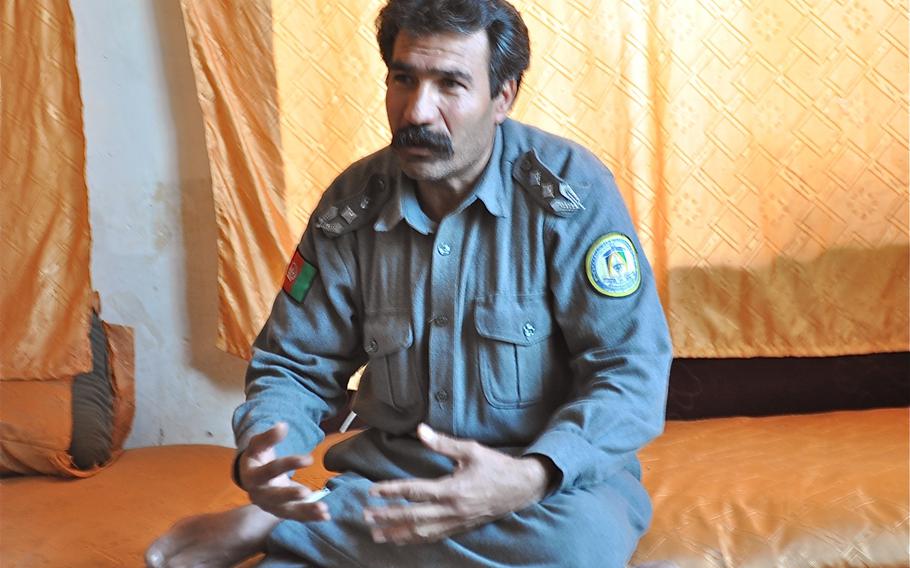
439 107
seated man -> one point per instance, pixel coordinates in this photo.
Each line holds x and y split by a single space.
518 355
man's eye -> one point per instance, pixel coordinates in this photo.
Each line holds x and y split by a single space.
451 84
402 79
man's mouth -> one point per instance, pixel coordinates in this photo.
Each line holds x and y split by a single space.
418 151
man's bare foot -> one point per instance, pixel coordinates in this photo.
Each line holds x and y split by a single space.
216 540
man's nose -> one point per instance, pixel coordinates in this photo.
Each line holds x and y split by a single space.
421 106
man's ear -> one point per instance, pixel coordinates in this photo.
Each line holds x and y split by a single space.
502 103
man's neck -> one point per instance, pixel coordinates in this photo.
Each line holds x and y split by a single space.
439 198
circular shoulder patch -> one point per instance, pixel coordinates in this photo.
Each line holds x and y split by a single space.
612 266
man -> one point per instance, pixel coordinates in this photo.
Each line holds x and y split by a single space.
489 274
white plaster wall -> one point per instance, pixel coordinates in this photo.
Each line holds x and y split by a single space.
153 256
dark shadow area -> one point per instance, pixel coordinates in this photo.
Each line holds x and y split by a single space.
197 204
765 386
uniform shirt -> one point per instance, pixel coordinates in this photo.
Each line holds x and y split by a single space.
485 325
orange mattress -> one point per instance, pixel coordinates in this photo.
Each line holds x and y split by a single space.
810 491
820 490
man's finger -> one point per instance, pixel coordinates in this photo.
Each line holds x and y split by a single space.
276 496
303 511
291 502
266 440
411 489
411 534
262 474
437 531
299 511
423 513
445 445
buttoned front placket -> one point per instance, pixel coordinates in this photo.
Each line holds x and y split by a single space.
441 307
445 320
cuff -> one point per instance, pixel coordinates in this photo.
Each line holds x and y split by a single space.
569 452
235 470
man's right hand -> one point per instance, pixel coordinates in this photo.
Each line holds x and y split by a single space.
266 481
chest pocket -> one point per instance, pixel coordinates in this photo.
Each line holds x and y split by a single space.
513 356
390 377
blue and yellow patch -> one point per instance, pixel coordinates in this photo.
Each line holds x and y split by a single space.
612 266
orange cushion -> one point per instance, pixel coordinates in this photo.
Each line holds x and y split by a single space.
825 489
36 417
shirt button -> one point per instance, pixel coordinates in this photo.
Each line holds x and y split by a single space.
444 250
372 346
440 321
442 395
528 330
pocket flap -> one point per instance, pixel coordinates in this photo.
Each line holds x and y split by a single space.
387 333
523 320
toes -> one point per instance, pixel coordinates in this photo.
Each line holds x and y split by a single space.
154 557
161 552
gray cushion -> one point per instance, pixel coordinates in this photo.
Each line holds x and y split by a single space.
93 405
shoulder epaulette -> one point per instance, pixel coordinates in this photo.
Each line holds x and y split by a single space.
548 189
354 212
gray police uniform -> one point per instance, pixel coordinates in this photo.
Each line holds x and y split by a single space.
526 319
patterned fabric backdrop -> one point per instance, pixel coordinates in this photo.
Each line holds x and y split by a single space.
761 147
45 241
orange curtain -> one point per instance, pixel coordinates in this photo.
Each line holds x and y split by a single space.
45 290
762 150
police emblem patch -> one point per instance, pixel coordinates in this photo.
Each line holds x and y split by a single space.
612 266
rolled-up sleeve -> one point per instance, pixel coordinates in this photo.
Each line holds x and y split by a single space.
619 345
306 352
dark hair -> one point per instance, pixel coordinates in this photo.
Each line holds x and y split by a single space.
510 48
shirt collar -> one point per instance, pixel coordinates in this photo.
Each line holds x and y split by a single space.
490 189
403 204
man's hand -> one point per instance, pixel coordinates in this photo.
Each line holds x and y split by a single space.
486 485
265 479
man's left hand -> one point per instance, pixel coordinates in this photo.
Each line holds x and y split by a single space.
486 485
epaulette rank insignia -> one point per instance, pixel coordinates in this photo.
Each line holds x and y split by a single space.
554 194
354 212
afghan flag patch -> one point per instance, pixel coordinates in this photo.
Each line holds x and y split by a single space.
299 277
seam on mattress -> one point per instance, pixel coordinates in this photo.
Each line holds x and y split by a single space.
32 444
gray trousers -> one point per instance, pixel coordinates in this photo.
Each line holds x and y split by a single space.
597 527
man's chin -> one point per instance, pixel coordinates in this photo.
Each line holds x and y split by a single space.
422 171
423 168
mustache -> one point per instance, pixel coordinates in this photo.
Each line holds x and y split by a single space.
423 137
